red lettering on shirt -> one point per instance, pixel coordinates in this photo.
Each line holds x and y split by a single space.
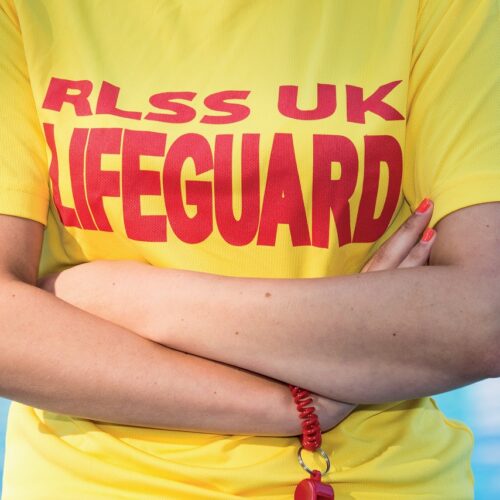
381 148
332 196
59 92
326 102
76 168
283 203
240 231
107 103
198 193
195 182
217 102
357 106
101 182
66 214
137 182
182 113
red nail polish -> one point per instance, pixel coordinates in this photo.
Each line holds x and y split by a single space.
428 234
424 205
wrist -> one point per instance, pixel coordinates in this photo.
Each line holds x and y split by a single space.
330 412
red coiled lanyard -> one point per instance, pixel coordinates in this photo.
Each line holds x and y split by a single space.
311 488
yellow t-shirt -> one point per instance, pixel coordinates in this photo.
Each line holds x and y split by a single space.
264 138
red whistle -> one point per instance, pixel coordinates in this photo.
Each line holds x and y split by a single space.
314 489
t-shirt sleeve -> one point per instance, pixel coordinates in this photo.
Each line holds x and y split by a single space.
24 189
452 149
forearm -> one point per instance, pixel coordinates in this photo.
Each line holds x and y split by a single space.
57 357
408 332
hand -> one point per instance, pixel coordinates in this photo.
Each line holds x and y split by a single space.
402 249
405 248
330 412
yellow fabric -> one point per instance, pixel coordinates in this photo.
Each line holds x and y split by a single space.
431 69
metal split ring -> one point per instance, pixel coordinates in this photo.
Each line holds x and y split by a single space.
321 452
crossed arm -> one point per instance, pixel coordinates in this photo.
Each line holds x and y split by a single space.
368 338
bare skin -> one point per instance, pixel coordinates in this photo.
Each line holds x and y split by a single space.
57 357
115 290
74 375
411 332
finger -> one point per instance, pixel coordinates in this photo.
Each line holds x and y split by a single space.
419 254
398 246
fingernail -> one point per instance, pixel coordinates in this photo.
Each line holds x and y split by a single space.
428 234
424 205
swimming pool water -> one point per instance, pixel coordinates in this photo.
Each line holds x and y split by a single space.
477 405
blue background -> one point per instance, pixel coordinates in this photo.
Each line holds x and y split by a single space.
477 405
